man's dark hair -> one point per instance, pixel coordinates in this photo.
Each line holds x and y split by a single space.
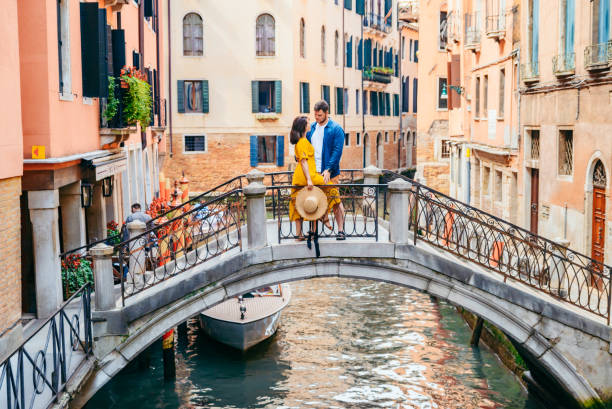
297 129
136 206
321 106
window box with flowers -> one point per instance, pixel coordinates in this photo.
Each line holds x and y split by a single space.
130 103
378 74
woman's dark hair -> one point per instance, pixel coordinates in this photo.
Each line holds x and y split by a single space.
297 129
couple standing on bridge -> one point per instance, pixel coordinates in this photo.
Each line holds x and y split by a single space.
318 149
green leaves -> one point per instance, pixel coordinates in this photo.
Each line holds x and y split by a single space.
112 103
137 101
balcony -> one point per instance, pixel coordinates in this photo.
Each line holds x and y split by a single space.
597 56
530 72
377 23
472 39
408 11
564 65
453 27
380 75
496 27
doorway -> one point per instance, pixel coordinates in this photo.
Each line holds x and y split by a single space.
598 232
534 205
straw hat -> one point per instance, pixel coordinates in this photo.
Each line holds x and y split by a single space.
311 204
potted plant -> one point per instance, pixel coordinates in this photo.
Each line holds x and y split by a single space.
113 233
76 271
135 94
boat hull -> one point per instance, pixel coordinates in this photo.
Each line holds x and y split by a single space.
238 335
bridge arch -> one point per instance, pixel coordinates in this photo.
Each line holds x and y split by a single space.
521 315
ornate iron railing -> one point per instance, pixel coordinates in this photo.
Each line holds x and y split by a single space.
377 22
564 64
509 250
495 24
596 56
361 203
530 71
35 374
207 230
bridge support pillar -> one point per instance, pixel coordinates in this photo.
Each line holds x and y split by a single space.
558 282
256 215
137 253
255 176
104 299
370 175
399 214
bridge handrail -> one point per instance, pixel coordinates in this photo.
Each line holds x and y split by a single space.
26 376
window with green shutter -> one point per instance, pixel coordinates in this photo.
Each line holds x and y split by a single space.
325 94
266 96
360 7
348 4
304 97
395 104
192 96
339 101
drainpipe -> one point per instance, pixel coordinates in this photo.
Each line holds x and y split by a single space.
468 181
363 98
169 79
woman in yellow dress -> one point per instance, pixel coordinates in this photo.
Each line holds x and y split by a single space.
305 173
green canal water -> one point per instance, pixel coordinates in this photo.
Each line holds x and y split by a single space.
341 344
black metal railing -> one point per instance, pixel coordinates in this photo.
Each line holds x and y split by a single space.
36 373
509 250
361 204
191 238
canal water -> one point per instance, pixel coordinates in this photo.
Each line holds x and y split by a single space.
342 344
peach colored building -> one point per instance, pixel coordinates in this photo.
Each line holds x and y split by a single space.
11 169
71 153
432 119
565 116
238 76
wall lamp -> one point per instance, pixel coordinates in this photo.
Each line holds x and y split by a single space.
86 194
107 186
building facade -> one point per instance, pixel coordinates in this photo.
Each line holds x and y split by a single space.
83 165
238 76
408 14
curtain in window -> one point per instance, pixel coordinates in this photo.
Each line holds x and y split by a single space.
193 96
302 38
193 35
604 21
323 44
265 35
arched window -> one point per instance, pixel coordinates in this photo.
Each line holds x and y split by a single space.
322 44
265 35
336 48
193 35
302 38
599 175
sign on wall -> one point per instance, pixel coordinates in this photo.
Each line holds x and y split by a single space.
38 152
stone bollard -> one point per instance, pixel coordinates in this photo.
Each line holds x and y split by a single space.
137 252
103 277
371 175
559 281
255 176
399 216
256 215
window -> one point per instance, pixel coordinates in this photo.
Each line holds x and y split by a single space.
304 97
502 91
347 139
442 94
364 102
485 96
416 51
414 141
336 49
386 137
266 149
568 10
566 152
442 31
477 98
265 35
358 139
357 101
445 149
498 186
193 35
403 51
195 143
459 165
266 96
302 38
394 136
411 50
323 44
193 97
535 144
325 94
533 33
345 105
406 95
339 101
486 175
63 44
415 90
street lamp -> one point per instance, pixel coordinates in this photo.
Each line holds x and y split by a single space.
86 194
107 186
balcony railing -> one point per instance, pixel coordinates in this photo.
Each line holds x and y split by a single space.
408 10
472 30
564 64
530 71
377 74
377 22
496 26
597 56
453 27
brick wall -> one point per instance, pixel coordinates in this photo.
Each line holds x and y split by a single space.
10 262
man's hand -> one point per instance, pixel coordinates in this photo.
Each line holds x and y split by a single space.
309 184
326 176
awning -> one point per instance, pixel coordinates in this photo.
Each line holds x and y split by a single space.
107 165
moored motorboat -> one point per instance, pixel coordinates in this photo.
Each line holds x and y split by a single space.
245 321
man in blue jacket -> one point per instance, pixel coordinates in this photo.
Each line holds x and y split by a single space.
327 137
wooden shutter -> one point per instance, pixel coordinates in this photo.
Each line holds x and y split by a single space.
136 60
180 96
360 7
306 95
118 40
148 8
415 90
253 150
278 96
109 52
205 93
339 101
348 4
254 96
280 150
349 54
93 50
360 55
368 53
396 66
454 78
406 95
396 104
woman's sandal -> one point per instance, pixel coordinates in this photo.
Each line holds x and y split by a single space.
300 238
327 224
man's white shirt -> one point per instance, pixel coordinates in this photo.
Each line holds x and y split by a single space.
317 143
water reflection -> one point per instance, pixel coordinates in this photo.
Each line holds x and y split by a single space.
341 344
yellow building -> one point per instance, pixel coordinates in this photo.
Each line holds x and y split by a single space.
238 76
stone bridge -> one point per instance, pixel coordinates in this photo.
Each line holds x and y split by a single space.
553 306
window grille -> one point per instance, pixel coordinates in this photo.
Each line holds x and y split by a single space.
195 143
535 145
599 175
566 151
